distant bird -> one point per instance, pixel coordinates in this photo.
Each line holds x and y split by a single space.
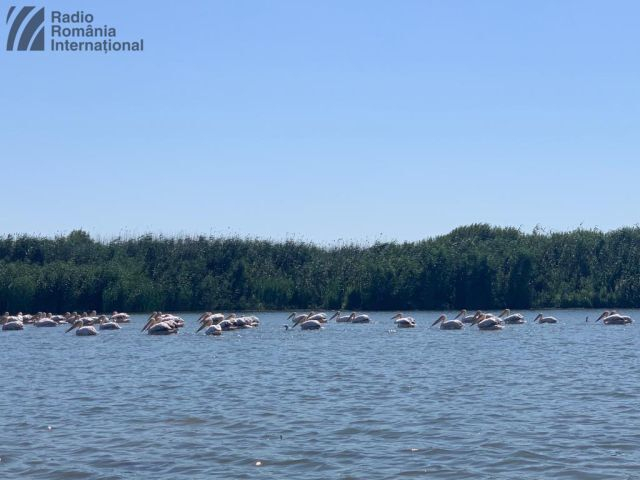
120 317
295 318
108 324
542 319
82 329
159 324
361 318
486 321
306 323
448 324
212 328
511 318
12 323
342 318
46 321
464 318
614 318
403 322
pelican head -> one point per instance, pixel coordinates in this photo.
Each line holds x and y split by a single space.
76 324
207 323
505 312
441 318
538 317
150 321
337 314
462 313
293 315
605 314
396 316
477 318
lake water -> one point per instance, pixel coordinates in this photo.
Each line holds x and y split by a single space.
349 401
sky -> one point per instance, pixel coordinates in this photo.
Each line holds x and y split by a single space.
327 120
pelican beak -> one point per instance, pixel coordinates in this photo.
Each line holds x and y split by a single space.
436 322
290 316
146 325
69 329
458 315
334 315
201 327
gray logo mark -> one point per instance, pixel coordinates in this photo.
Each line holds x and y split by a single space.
32 35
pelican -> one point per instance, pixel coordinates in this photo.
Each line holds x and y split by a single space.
295 318
82 329
448 324
87 319
60 318
403 322
46 321
216 317
342 318
108 324
306 324
159 324
486 321
320 317
614 318
362 318
542 319
119 317
511 318
12 323
464 318
212 328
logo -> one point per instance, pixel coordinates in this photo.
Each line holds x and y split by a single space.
66 31
27 29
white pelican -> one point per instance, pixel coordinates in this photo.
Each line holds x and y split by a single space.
464 318
120 317
82 330
486 321
107 324
47 321
159 324
295 318
12 323
403 322
542 319
511 318
216 317
361 318
60 318
319 317
306 324
614 318
342 318
448 324
212 328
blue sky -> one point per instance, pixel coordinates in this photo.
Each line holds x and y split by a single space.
328 120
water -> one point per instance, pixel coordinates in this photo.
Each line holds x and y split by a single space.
350 401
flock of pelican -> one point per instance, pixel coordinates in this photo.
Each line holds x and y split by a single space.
211 323
484 321
84 323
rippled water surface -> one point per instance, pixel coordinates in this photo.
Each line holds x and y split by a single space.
349 401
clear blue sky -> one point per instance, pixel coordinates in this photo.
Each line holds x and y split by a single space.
328 120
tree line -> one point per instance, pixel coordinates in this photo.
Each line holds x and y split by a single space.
476 266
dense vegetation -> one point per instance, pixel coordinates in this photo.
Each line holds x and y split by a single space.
474 267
